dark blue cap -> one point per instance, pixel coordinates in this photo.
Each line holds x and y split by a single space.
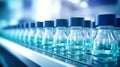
105 20
32 24
117 24
87 23
61 23
93 25
15 26
48 23
76 21
26 25
39 24
21 25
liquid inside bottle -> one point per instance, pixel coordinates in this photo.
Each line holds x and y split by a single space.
60 37
24 36
88 39
31 34
38 35
75 43
75 40
105 47
47 39
117 33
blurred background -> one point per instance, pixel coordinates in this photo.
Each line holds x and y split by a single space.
12 11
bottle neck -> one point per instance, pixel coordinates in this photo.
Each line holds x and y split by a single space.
117 28
49 30
106 27
39 28
61 30
76 31
105 32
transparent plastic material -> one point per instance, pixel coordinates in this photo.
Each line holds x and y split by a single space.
24 37
20 35
75 43
31 37
117 36
105 47
16 34
88 40
89 34
47 39
60 41
38 37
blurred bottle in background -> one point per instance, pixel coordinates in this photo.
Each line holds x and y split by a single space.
47 38
31 34
38 34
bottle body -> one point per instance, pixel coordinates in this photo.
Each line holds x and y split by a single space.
38 38
75 43
117 36
47 39
88 40
60 41
105 47
25 37
31 36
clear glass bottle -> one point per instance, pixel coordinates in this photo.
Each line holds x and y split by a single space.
75 40
88 39
105 48
16 34
93 30
21 32
117 33
39 34
24 37
47 39
60 37
31 34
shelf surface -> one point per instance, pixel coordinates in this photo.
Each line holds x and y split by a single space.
46 60
40 59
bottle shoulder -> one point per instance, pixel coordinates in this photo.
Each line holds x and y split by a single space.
105 37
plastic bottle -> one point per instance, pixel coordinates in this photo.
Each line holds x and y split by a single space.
31 34
47 39
17 33
88 39
105 48
117 33
24 37
60 37
21 32
75 41
39 34
93 30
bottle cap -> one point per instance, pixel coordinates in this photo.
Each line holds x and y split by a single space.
32 24
93 25
105 20
117 24
76 21
39 24
26 25
48 23
87 23
61 23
